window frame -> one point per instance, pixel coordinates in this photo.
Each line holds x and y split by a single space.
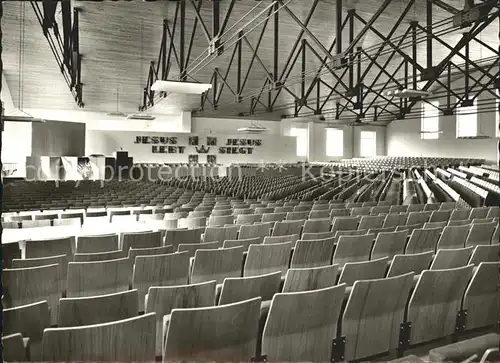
430 114
467 113
338 139
373 139
303 133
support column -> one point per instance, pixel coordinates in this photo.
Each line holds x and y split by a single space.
429 34
182 62
311 142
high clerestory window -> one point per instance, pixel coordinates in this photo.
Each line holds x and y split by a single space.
467 120
368 144
430 120
302 135
334 142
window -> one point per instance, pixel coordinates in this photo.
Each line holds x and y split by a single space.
430 120
334 142
302 136
368 143
467 120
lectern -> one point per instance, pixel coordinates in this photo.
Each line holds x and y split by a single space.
123 164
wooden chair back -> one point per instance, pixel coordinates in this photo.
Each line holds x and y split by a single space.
416 263
395 209
345 224
373 316
35 223
432 206
287 228
360 211
61 261
280 239
192 222
435 302
97 243
236 289
359 232
217 264
141 240
245 243
370 222
25 286
481 212
485 254
453 237
260 230
248 218
306 279
340 212
159 270
460 222
264 259
220 220
313 253
423 240
461 214
10 251
389 244
13 348
175 237
440 216
99 342
98 278
480 234
394 220
99 309
316 314
191 248
481 298
317 225
100 256
220 234
30 321
163 299
316 214
353 249
367 270
451 258
321 235
50 247
222 333
134 252
440 225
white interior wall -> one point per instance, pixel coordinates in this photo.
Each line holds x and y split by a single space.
351 142
273 148
207 125
184 123
404 138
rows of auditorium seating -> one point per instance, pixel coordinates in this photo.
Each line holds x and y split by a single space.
359 280
24 195
83 194
403 162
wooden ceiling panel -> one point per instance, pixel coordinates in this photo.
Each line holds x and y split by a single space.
28 63
118 40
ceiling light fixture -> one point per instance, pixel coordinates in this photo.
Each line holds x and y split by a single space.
253 128
22 119
180 87
407 93
141 116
